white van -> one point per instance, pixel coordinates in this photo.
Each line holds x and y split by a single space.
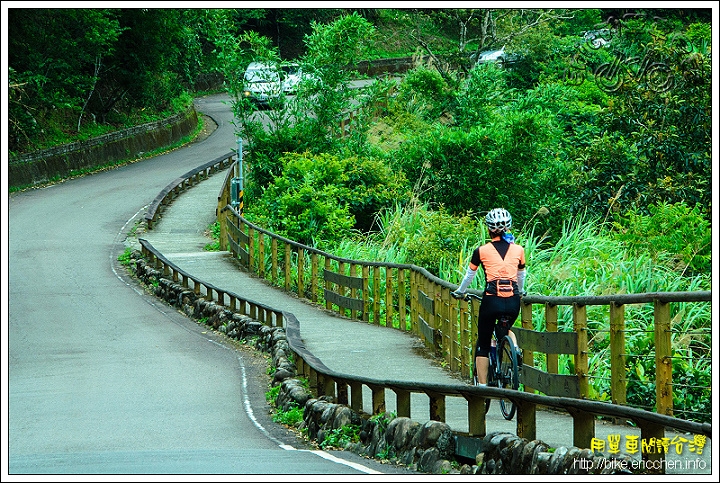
262 83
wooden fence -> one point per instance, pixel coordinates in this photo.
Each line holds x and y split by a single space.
348 388
409 298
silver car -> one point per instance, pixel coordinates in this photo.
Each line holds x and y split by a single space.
262 83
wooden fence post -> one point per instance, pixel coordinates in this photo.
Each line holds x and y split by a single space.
222 220
301 272
583 422
356 396
618 380
274 260
476 416
663 359
581 359
288 266
261 254
388 297
526 411
466 340
551 325
376 295
402 305
251 249
378 399
526 416
366 292
314 277
402 403
328 304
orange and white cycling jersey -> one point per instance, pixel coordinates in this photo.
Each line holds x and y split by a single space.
501 270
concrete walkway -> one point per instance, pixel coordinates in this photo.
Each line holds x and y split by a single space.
347 346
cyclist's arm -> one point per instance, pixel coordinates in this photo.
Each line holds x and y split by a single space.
521 274
521 280
469 276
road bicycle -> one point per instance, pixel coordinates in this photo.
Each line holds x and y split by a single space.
503 370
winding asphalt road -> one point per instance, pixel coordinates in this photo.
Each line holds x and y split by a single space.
103 378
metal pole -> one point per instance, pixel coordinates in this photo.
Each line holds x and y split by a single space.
239 176
239 157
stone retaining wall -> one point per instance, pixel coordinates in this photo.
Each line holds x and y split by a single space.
427 448
61 161
379 67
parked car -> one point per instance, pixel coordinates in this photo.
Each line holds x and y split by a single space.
262 83
499 56
598 38
292 75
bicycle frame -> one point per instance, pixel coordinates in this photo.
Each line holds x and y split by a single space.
502 364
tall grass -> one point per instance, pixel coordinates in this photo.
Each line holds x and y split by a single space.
586 260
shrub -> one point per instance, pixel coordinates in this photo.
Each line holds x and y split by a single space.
424 92
291 417
341 437
435 240
321 198
672 231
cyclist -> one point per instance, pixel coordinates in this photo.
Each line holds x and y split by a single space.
503 262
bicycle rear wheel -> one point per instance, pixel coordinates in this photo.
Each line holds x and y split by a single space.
509 378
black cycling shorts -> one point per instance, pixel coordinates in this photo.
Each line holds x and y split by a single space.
491 308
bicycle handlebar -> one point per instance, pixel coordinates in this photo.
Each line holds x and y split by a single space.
466 296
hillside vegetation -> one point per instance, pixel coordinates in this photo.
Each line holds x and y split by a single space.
600 149
605 169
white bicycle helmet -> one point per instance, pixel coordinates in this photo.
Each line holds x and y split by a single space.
498 219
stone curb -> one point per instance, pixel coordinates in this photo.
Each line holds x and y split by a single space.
427 448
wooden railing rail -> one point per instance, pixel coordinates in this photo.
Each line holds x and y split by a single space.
188 180
348 388
412 294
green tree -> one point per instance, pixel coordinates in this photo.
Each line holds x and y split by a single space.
656 130
149 67
319 199
333 51
54 75
92 67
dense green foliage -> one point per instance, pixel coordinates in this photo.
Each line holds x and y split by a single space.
603 163
673 232
319 199
75 70
79 72
602 153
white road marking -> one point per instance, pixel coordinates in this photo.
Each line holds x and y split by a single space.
246 402
322 454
